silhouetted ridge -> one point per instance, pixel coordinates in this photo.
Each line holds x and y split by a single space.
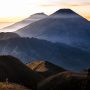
65 11
67 14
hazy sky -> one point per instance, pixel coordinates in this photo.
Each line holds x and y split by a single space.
14 10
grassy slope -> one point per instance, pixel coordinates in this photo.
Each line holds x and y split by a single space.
11 86
17 72
45 68
64 81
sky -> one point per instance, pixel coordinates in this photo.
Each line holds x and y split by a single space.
16 10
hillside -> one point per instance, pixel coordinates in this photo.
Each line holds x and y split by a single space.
45 68
11 86
65 81
8 35
28 50
31 19
17 72
63 26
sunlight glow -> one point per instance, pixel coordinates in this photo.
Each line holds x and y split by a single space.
16 10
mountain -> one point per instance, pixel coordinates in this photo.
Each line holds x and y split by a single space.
8 35
29 50
38 16
65 81
45 68
16 72
63 26
25 22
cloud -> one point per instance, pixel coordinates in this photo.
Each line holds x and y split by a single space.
79 4
65 3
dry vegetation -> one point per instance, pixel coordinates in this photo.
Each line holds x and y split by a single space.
17 72
14 73
65 81
45 68
11 86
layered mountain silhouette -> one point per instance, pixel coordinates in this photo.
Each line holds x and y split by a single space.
25 22
63 26
28 50
52 48
45 68
17 72
8 35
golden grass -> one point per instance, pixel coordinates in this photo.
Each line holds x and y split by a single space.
11 86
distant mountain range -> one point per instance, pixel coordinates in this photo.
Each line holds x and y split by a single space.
25 22
29 50
63 26
69 36
52 48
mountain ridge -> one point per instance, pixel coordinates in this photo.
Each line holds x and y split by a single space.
29 50
71 31
25 22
